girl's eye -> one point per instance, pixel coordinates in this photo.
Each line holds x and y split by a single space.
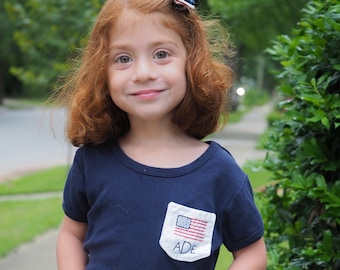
161 54
123 59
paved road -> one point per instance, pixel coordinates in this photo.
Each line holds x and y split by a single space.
28 141
239 139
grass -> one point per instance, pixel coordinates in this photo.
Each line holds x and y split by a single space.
22 103
43 181
236 116
258 176
224 259
22 221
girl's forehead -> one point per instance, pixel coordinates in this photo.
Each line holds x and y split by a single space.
132 17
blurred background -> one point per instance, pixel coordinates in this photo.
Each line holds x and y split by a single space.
38 37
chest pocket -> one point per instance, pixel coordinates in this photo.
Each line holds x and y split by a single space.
187 233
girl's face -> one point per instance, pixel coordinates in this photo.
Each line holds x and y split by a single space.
146 72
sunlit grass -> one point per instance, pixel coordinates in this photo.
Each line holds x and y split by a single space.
22 221
224 259
43 181
258 176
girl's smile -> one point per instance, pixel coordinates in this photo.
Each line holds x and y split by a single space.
147 95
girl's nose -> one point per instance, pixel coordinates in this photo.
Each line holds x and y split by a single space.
144 70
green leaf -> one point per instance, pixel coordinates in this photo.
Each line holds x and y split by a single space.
327 240
325 122
321 182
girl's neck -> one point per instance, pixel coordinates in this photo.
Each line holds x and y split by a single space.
163 146
153 132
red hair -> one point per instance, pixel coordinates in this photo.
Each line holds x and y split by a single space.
93 117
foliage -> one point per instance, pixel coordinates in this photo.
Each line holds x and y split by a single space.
302 211
253 29
254 23
9 55
277 115
47 32
43 34
255 97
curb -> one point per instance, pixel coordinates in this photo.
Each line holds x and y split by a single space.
33 196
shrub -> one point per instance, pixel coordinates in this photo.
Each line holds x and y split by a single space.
255 97
275 116
301 211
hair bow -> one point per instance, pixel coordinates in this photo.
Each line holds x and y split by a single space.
187 3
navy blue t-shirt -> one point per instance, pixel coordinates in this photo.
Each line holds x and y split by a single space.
142 217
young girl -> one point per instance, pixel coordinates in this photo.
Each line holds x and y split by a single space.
144 191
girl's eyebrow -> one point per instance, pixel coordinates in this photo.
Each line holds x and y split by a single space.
165 42
118 46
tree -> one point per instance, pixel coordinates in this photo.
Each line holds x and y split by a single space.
47 32
9 54
254 23
301 211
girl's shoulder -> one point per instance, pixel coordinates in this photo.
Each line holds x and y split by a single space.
95 151
222 154
225 164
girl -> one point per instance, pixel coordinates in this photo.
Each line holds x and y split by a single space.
144 191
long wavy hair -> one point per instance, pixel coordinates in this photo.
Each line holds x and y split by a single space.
93 117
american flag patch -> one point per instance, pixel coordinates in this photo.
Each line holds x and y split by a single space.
187 233
190 228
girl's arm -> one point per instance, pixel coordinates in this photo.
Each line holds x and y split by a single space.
70 252
252 257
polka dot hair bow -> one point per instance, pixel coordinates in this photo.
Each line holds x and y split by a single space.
191 4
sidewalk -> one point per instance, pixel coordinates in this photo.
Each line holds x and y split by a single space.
239 138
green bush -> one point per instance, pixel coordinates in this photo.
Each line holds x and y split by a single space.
47 33
301 211
275 116
255 97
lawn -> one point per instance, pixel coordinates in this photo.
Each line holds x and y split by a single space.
43 181
22 221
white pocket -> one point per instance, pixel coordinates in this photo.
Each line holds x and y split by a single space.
187 233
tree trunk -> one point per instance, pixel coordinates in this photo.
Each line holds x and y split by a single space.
261 65
2 84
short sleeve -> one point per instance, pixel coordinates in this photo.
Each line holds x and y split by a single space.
243 221
75 203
